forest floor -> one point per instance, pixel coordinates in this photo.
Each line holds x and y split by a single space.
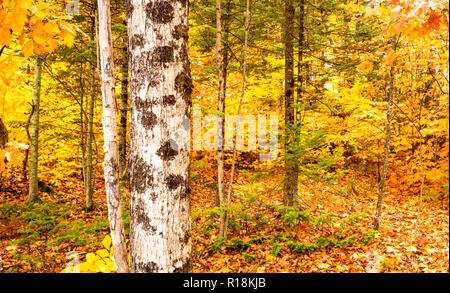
332 234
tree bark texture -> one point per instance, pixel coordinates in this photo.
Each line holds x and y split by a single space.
89 184
291 162
3 134
221 118
33 187
123 125
160 99
390 101
111 163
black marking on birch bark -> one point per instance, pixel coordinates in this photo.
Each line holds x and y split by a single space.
183 85
143 219
141 177
137 40
169 100
139 71
130 9
166 152
186 266
185 238
183 2
186 192
173 44
108 65
146 116
148 119
173 181
153 196
180 31
162 54
150 267
184 56
114 166
160 11
153 79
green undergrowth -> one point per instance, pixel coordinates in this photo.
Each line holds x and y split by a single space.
345 231
48 224
284 243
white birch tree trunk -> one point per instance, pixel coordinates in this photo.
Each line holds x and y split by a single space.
160 91
111 162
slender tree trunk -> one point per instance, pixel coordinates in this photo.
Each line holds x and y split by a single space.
291 163
88 183
159 154
33 188
111 164
3 141
27 151
3 134
244 85
89 186
390 96
82 129
301 48
221 118
222 94
123 127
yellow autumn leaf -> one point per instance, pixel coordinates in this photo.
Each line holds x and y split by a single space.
90 257
103 253
28 49
107 242
389 57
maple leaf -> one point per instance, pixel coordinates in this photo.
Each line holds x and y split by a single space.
28 48
389 57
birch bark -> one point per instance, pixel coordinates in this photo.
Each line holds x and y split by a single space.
159 155
110 163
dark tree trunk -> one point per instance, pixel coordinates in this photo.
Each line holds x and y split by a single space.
291 162
390 100
123 126
3 134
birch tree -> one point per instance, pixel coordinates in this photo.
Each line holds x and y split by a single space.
160 97
34 138
111 162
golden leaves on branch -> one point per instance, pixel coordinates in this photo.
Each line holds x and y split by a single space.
36 26
389 57
415 19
